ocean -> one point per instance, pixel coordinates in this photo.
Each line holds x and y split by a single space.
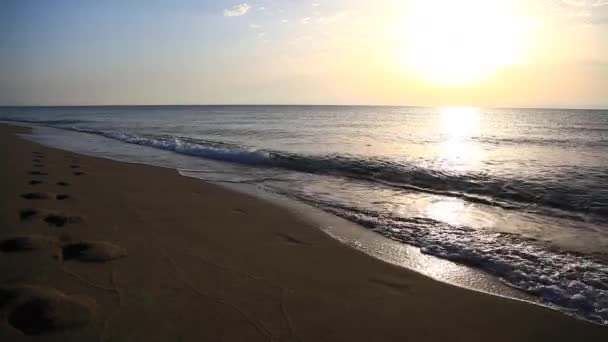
520 194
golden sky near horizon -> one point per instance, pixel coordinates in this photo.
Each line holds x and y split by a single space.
417 52
476 52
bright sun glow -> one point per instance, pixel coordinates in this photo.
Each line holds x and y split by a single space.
456 42
459 125
460 122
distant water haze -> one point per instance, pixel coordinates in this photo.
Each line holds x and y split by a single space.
519 193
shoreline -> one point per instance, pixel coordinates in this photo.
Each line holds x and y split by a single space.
341 229
206 262
347 232
388 250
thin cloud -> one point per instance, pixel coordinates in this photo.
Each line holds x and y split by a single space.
305 20
333 18
237 10
591 12
586 3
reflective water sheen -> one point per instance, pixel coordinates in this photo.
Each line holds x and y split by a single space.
521 194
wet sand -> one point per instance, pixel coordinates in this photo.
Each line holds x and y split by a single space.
97 250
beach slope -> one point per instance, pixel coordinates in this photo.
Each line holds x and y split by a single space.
97 250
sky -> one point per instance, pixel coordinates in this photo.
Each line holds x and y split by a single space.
494 53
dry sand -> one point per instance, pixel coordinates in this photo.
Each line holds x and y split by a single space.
140 253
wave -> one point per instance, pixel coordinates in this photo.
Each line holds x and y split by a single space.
574 283
571 202
194 147
569 142
562 199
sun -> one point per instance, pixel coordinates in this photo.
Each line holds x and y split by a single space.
456 42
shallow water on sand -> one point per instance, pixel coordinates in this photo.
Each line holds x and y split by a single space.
520 194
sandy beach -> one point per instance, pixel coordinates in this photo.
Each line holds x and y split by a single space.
97 250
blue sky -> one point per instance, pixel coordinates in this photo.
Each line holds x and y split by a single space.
66 52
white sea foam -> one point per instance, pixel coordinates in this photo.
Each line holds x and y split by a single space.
574 283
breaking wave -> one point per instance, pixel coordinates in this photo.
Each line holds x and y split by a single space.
563 200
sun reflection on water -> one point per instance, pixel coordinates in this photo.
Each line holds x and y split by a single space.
458 153
449 210
458 126
460 121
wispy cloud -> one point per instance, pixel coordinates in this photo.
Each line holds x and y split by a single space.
262 36
587 11
585 3
237 10
305 20
333 18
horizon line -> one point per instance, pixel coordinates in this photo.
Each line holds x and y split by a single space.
600 107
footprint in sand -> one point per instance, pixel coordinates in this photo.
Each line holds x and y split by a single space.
27 243
291 239
26 214
38 195
35 310
393 285
55 219
44 196
92 251
60 220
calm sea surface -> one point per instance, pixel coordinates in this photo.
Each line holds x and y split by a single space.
519 193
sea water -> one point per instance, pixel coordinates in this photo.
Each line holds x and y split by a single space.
521 194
